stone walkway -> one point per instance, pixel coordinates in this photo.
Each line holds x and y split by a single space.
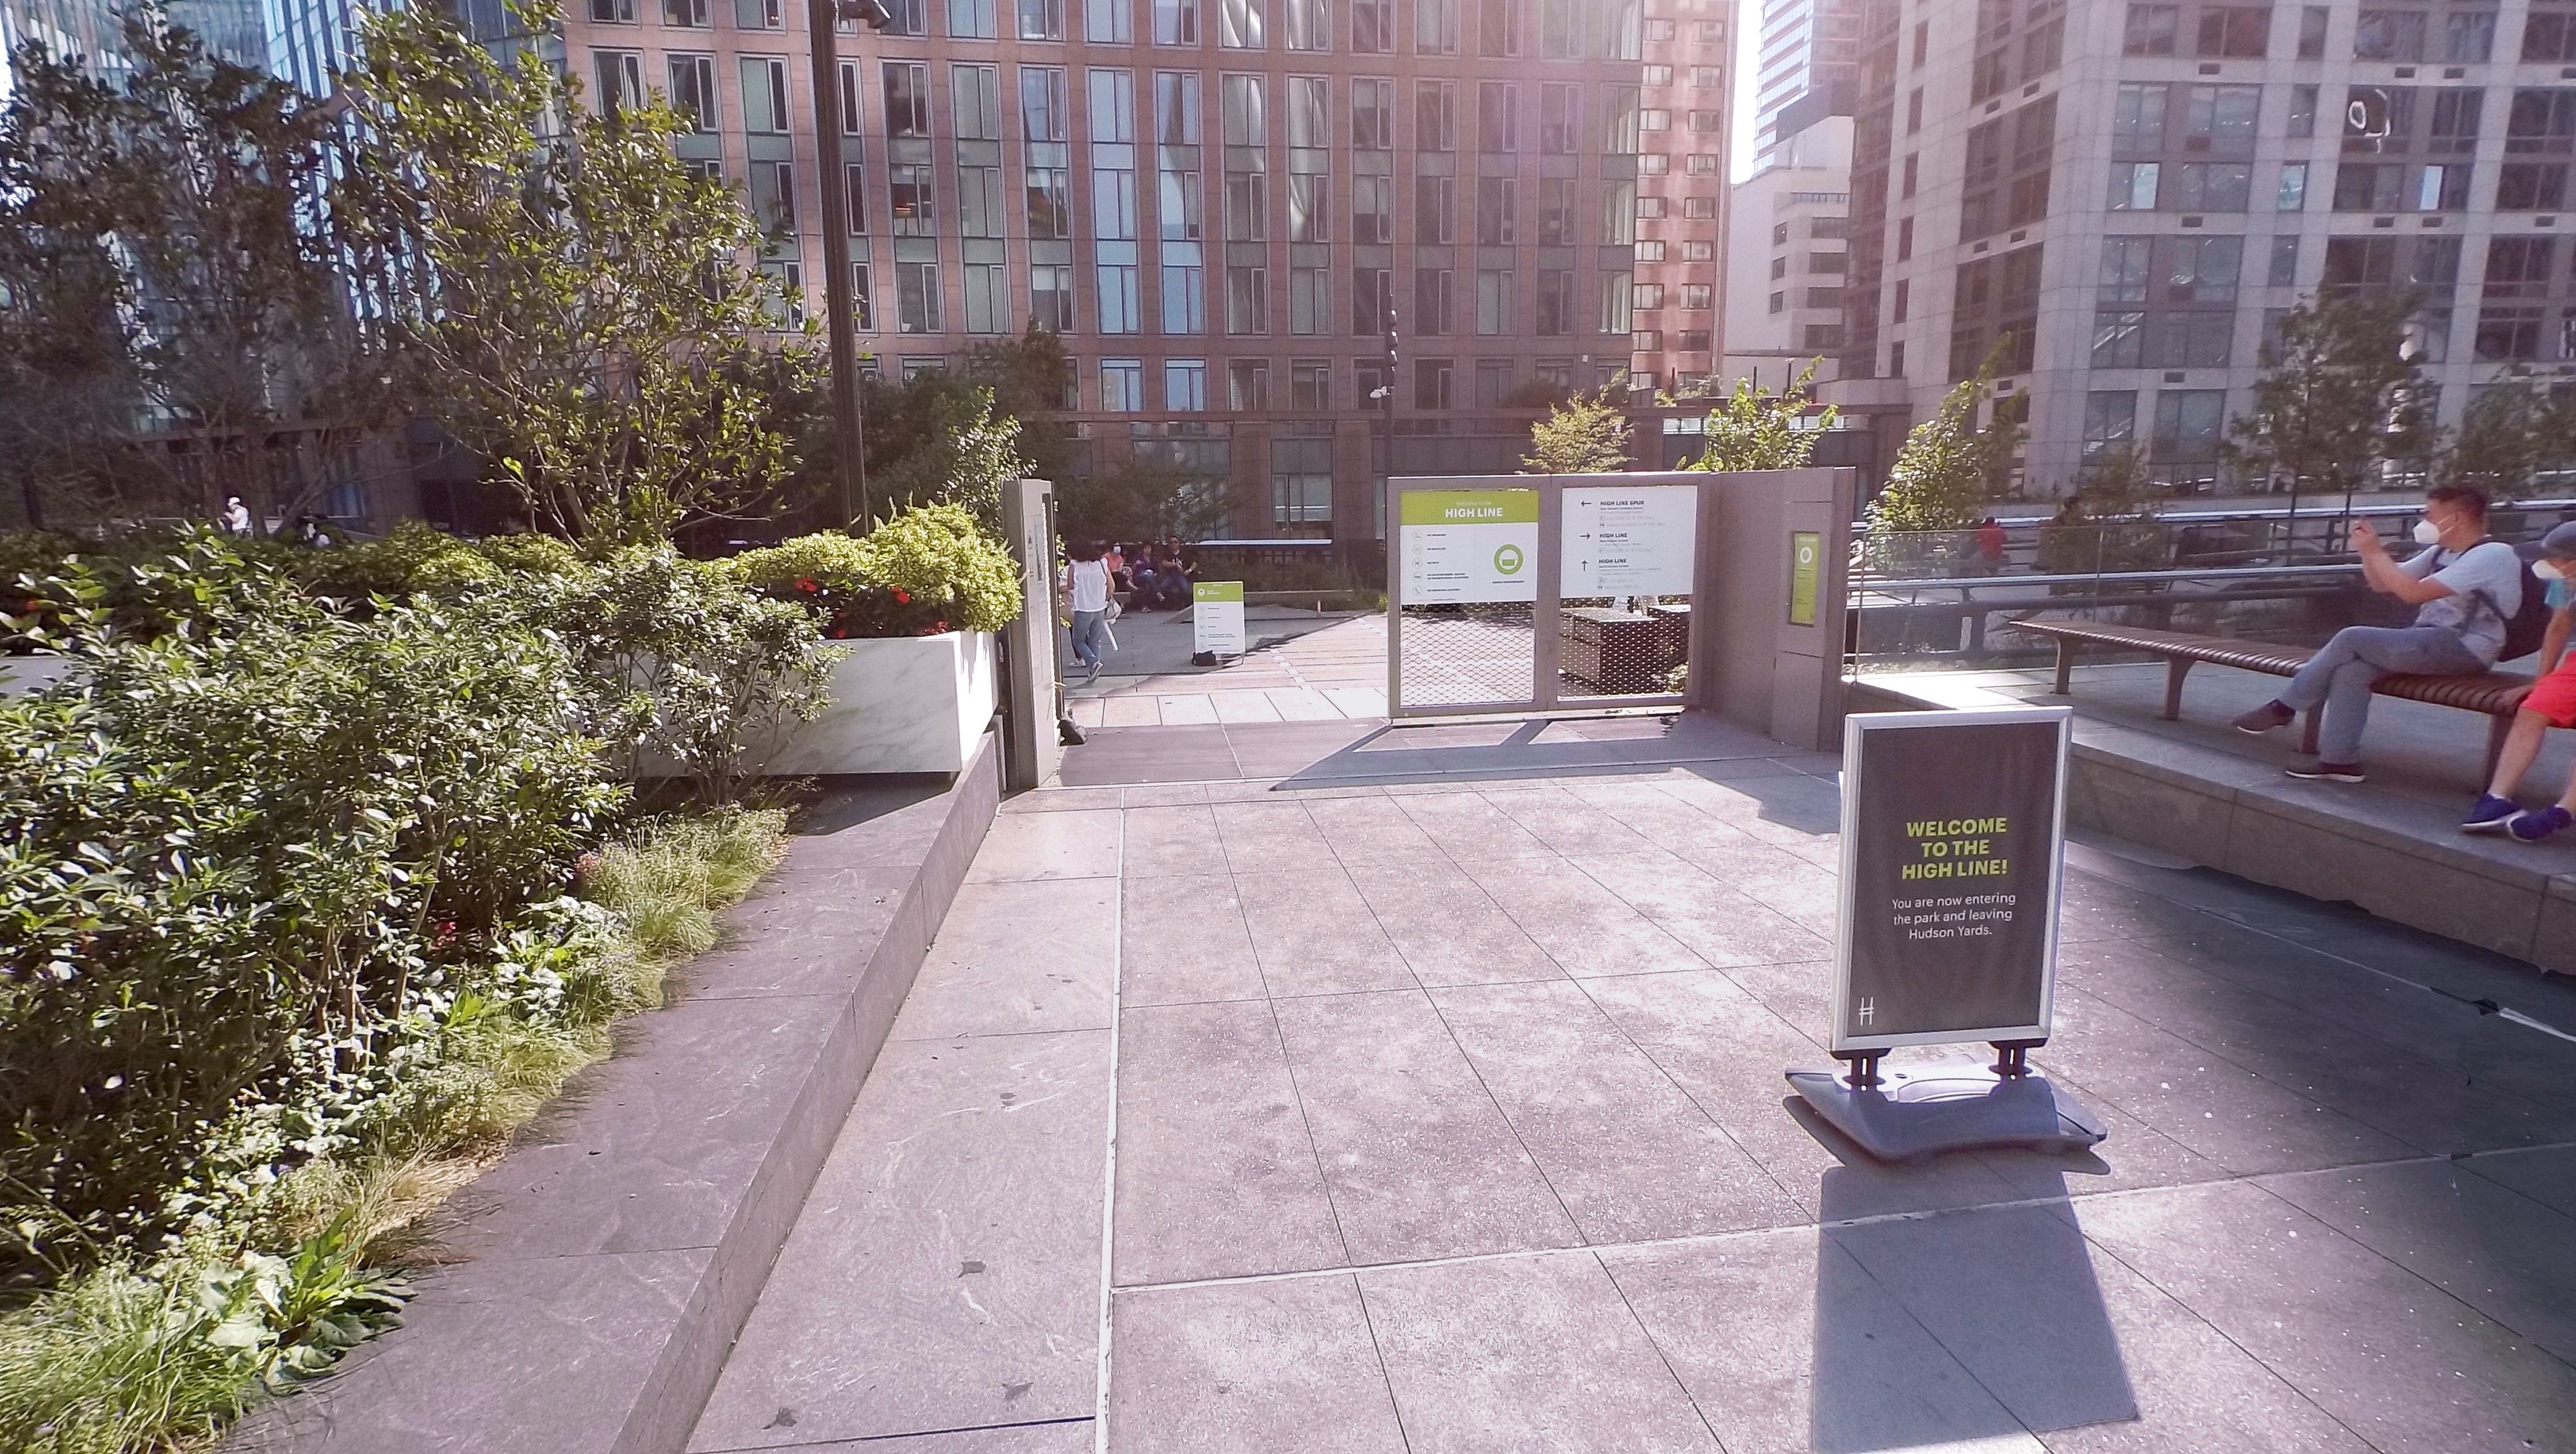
1419 1112
1325 670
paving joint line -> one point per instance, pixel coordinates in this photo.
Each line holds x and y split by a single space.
1695 1239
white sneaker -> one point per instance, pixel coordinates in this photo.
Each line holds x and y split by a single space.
1095 674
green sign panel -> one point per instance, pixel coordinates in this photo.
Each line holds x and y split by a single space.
1468 545
1806 569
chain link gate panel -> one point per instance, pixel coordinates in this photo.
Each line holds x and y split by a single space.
1521 593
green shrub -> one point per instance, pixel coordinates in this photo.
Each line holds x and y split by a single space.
235 849
929 569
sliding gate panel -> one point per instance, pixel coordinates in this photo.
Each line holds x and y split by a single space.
1517 593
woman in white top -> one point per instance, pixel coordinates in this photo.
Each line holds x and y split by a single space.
1088 585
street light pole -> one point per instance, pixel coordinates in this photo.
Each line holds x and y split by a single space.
850 477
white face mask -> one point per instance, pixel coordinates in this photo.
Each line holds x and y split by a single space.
2427 533
2548 570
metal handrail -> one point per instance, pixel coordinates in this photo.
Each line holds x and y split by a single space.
2179 573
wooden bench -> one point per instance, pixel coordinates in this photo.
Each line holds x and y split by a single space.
2492 693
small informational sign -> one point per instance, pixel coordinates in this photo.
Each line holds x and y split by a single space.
1216 617
1635 542
1806 569
1469 545
1954 829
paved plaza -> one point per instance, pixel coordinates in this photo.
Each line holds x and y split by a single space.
1427 1096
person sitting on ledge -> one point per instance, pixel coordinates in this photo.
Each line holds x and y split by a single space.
2549 702
2465 588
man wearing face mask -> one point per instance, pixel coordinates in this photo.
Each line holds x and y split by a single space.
2465 588
2551 702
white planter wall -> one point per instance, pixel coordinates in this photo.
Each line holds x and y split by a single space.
898 704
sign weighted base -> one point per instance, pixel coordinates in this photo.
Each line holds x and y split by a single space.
1918 1112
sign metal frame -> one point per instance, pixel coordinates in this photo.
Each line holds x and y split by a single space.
1856 729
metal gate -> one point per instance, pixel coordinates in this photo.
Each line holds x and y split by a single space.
1541 593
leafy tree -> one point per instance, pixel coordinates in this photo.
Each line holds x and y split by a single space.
1586 434
558 288
1030 376
2339 397
934 440
164 269
2511 431
1939 478
1135 499
1754 431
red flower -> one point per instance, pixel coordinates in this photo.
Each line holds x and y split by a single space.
936 627
805 584
902 597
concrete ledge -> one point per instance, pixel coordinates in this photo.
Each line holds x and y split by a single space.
607 1264
2398 857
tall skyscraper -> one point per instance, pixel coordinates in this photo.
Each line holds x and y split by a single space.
1220 205
2119 200
1809 49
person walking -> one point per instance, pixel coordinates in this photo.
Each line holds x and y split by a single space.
2465 588
1087 584
235 516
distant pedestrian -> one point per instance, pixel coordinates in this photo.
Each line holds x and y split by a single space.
235 517
1087 586
1990 546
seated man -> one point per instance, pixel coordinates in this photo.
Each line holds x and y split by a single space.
2551 702
2465 588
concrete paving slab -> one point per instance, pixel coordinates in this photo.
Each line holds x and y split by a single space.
1470 829
1287 1366
1271 837
1183 941
1314 935
2500 1252
1054 1436
982 979
1788 1347
1421 1161
2395 1359
1716 923
1525 1353
1446 928
937 1283
1631 1156
1567 824
1595 931
1187 709
2547 1175
1369 831
1217 1176
1174 840
1049 845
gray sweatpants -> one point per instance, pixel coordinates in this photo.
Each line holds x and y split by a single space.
2340 676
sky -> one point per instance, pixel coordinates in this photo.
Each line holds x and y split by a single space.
1748 55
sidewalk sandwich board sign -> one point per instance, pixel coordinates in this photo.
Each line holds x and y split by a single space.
1216 618
1468 545
1953 847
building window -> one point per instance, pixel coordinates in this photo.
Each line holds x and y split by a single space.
2110 421
971 19
907 98
1435 209
1041 19
1372 210
1308 196
1432 313
1247 300
617 80
863 298
1498 118
980 211
1121 304
988 298
1699 208
1122 385
1051 297
2134 186
1431 384
773 197
1372 301
1555 302
1239 25
1617 290
693 90
2388 35
1700 296
1497 203
1310 301
764 95
1373 27
1247 206
1619 120
1498 27
1560 29
1435 116
1176 22
916 287
1646 297
1620 208
1560 125
2531 186
1301 480
1372 114
1108 22
2292 193
1247 385
2312 32
1185 385
2188 424
1435 27
1310 384
1493 302
1184 291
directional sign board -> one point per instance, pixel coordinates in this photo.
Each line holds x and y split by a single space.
1469 545
1629 542
1216 618
1954 829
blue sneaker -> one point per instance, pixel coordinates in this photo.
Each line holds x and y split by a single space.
2533 826
2491 814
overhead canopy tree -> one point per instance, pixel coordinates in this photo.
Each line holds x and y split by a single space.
554 285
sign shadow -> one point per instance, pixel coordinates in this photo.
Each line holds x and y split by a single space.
1977 1321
